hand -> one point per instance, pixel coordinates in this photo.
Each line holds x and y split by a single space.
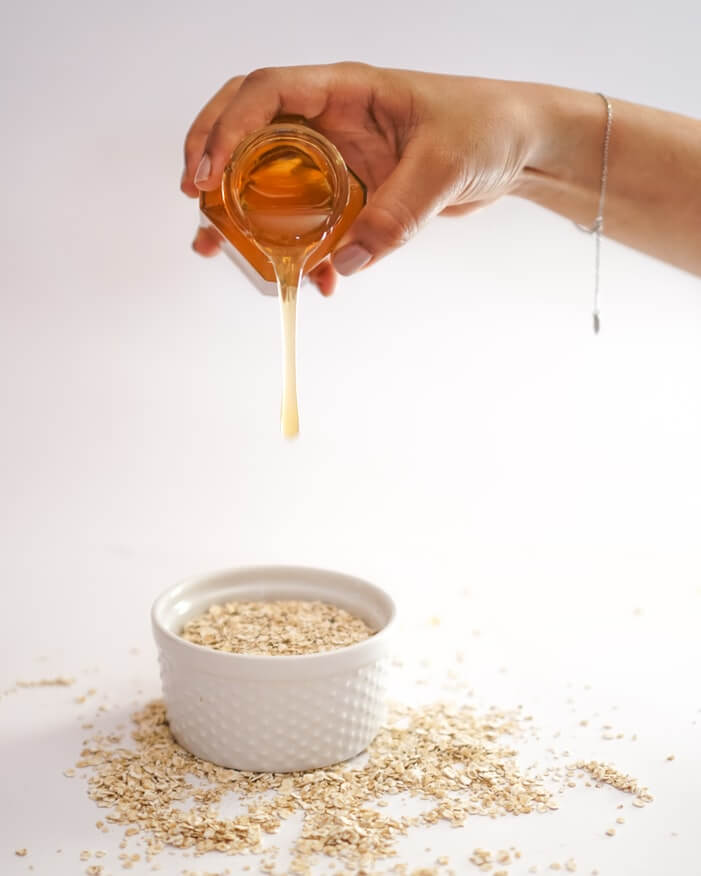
423 144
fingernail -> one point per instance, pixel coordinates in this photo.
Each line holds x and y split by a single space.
204 168
351 259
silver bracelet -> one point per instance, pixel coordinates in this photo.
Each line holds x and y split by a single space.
597 228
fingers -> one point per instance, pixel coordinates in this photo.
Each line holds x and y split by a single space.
199 131
260 97
464 209
422 184
206 242
324 277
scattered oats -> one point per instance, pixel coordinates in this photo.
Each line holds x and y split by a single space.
95 870
501 873
69 773
276 628
620 820
533 869
481 858
100 853
21 853
450 758
84 855
443 861
463 771
200 873
670 757
571 865
606 774
79 700
556 865
59 681
611 831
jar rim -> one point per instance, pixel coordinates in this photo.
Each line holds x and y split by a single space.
290 131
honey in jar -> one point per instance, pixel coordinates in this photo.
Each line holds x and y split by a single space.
285 200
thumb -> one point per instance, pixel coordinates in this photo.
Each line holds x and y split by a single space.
420 186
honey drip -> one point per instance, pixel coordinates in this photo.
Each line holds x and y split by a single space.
286 195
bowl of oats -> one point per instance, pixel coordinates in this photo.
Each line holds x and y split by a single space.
274 668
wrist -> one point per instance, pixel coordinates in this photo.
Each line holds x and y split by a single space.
567 129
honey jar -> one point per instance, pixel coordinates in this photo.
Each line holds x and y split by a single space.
285 188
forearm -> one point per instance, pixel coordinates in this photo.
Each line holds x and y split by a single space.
653 199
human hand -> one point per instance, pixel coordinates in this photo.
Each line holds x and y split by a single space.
423 144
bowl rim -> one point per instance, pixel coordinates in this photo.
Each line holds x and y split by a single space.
289 661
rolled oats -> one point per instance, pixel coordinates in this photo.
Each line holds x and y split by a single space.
276 628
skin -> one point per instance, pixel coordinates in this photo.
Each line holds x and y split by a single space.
426 144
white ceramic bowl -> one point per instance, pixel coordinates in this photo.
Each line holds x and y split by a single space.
273 713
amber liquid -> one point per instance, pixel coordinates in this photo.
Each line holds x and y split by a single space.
286 195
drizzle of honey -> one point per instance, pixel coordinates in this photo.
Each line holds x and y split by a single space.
287 198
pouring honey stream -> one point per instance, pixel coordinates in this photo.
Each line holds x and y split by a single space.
286 196
287 200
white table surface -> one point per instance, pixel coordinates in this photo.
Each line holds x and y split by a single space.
598 662
465 442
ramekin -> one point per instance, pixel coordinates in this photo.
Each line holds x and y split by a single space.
274 713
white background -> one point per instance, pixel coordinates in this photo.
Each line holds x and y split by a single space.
466 441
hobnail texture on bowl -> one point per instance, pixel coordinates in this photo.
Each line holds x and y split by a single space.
265 713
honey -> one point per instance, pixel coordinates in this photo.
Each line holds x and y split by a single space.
286 198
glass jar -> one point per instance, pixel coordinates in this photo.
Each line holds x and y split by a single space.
282 168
